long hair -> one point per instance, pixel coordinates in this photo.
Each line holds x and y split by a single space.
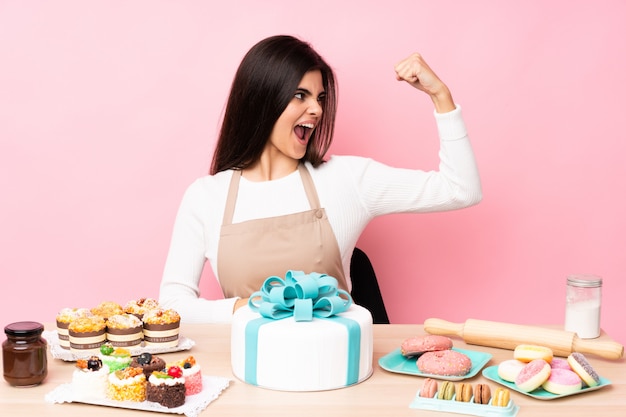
264 84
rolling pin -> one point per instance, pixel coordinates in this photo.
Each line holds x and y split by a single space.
508 336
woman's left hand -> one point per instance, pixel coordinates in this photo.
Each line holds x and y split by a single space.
415 71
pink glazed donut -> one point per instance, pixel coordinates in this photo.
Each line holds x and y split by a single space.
562 381
444 362
533 375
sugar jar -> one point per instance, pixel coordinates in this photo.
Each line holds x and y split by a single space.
582 305
24 354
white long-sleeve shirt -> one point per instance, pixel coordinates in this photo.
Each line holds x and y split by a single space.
353 191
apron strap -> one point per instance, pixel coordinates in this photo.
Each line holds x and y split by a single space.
231 198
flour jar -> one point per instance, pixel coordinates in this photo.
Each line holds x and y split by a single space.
582 305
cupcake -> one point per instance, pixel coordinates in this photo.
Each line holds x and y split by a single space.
128 384
89 380
116 358
192 374
148 362
124 330
167 387
107 309
63 320
86 335
140 306
161 328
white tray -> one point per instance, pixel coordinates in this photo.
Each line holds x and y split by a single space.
459 407
67 355
212 387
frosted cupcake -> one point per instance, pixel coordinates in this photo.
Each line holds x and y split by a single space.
161 328
140 306
124 330
89 380
167 388
192 374
86 335
116 358
129 384
63 320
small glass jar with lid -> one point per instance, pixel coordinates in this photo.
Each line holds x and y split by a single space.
24 354
583 305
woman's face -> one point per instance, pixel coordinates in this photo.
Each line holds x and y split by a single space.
293 129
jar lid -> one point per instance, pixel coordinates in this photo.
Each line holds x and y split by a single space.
584 280
23 328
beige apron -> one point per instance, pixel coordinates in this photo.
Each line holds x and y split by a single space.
253 250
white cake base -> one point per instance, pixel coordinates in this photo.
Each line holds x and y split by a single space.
303 356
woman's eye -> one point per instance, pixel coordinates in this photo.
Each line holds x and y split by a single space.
299 96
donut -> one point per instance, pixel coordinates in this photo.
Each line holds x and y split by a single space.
532 375
464 392
415 346
446 391
429 389
583 368
562 381
527 353
444 362
510 369
482 394
560 363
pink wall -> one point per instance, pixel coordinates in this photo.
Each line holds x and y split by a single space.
108 110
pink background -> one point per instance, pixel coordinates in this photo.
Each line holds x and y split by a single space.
108 110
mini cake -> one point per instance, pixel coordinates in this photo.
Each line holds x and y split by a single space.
148 362
167 388
86 335
124 330
63 320
116 358
128 384
140 306
192 374
161 328
89 380
107 309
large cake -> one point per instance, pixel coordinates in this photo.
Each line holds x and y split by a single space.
302 334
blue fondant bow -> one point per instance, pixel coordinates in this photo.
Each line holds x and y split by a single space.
300 295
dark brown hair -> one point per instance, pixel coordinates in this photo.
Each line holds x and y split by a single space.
264 84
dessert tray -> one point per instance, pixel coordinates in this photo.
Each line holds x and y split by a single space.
398 363
67 355
540 394
194 404
471 408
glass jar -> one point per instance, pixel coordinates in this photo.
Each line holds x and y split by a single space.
582 307
24 354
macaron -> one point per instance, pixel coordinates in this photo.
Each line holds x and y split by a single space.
527 353
560 363
562 381
464 392
583 368
429 389
501 397
446 391
510 369
444 362
532 375
482 394
415 346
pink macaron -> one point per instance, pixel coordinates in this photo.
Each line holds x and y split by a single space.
533 375
560 363
429 389
562 381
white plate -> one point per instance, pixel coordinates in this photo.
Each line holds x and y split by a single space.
212 387
67 355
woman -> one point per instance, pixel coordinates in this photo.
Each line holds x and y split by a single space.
273 203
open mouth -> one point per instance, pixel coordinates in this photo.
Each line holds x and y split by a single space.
304 131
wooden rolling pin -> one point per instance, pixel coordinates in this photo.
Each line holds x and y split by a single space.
508 336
